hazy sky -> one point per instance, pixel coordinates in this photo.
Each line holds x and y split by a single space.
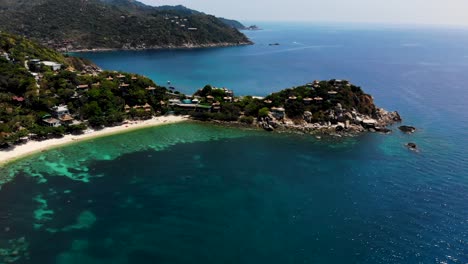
382 11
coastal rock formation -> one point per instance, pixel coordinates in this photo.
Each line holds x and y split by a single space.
412 146
407 129
328 107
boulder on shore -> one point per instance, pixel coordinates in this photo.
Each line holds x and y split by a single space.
407 129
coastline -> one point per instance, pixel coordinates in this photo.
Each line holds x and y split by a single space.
33 147
167 47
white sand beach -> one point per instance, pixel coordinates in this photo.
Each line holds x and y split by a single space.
32 147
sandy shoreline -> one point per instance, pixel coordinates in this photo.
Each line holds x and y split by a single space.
32 147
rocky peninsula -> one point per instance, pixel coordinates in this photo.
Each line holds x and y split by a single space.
327 107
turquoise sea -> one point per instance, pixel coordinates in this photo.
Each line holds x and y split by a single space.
199 193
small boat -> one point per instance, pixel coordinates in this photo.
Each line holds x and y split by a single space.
168 82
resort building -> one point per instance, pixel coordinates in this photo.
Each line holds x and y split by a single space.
147 107
151 89
307 100
66 119
174 101
216 107
82 87
53 65
127 108
51 122
61 110
318 99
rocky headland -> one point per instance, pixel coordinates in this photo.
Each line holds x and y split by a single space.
335 107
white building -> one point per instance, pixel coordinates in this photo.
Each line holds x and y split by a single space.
60 111
54 65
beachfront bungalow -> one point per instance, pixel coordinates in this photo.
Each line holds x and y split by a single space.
96 84
147 107
278 112
110 78
134 78
61 110
127 108
332 93
192 29
292 98
268 102
227 99
51 122
66 119
121 76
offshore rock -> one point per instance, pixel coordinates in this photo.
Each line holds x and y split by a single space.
412 146
407 129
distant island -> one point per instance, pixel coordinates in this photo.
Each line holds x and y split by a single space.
44 95
71 25
253 27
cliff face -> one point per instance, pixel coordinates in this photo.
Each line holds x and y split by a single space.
112 24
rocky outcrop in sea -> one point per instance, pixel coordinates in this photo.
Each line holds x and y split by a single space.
338 122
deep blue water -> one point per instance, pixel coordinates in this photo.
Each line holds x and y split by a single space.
194 193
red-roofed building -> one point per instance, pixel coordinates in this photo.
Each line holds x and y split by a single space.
18 99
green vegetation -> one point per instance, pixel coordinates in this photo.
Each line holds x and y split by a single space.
104 99
318 98
41 99
117 24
